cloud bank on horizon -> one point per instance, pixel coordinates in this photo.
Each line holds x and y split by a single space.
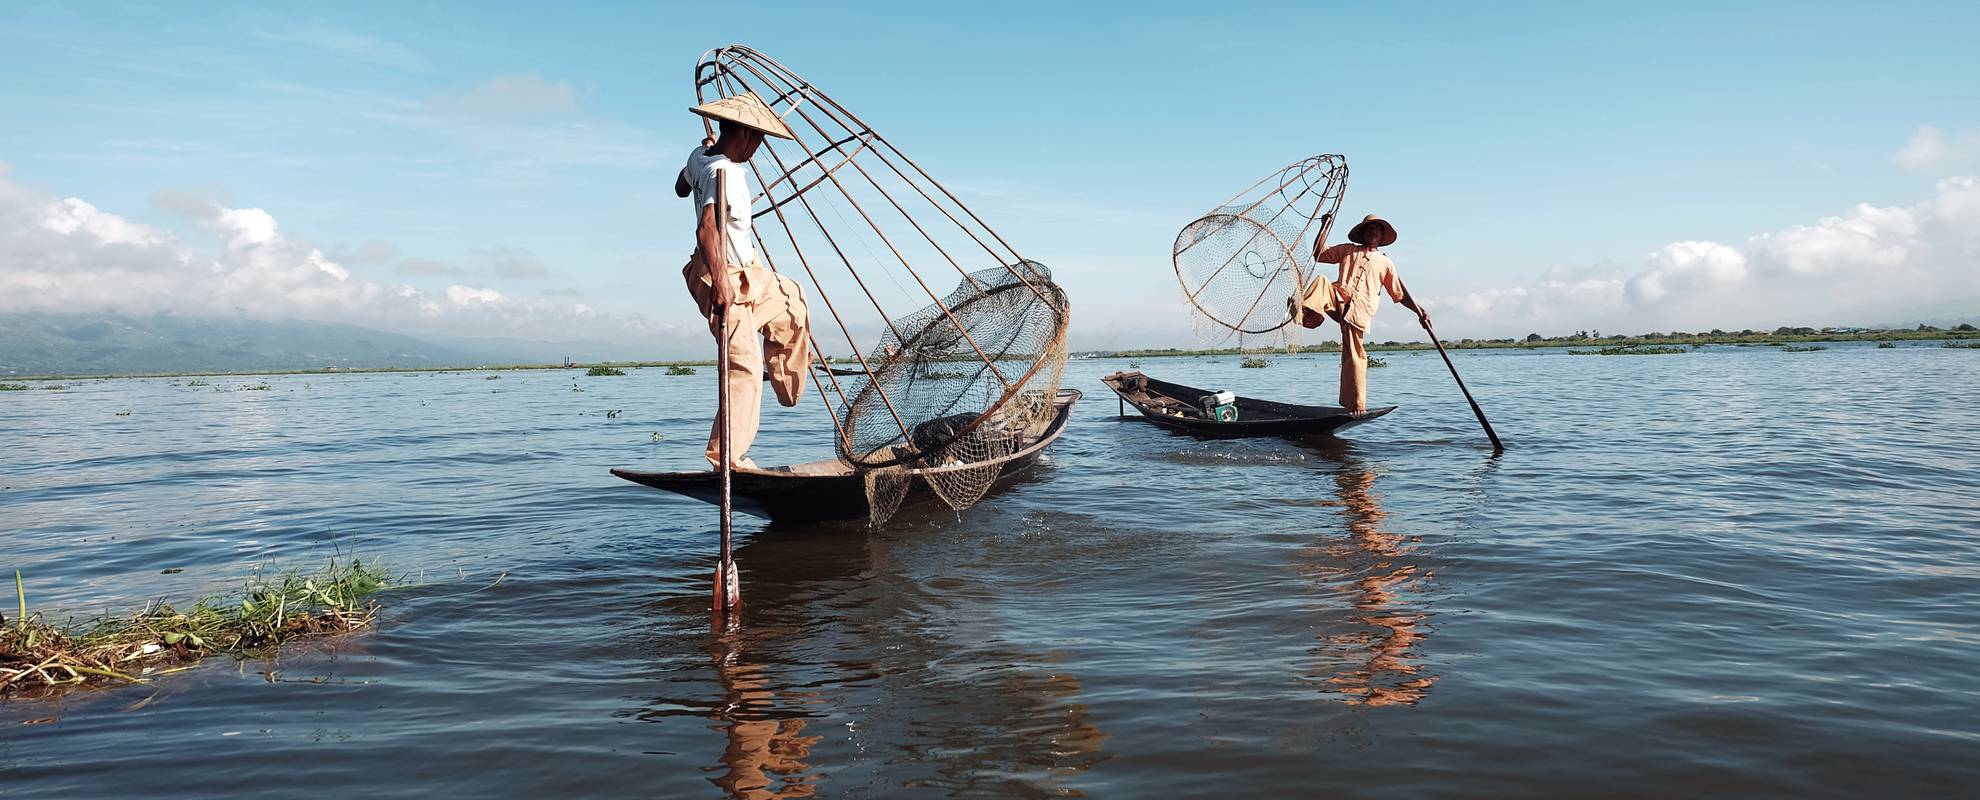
1869 264
65 255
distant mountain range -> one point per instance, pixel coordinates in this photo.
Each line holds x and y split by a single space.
125 344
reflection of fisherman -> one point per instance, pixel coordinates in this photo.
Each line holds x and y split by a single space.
1375 661
1352 299
767 758
758 302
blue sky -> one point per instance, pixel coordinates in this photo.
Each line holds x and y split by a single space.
1540 160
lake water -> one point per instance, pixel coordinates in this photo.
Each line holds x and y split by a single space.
1731 572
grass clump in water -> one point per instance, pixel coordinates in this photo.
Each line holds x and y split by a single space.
603 371
1799 349
1254 362
1628 350
680 370
40 658
1963 345
13 387
1374 362
1885 346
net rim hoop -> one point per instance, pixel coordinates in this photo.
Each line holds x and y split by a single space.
1190 293
1058 336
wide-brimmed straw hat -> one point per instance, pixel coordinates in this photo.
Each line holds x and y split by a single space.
1373 230
747 110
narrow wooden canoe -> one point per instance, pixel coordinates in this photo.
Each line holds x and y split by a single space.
819 491
1179 407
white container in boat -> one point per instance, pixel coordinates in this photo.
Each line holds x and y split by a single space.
1221 406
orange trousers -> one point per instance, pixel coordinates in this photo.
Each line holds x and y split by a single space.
1354 369
769 315
1320 302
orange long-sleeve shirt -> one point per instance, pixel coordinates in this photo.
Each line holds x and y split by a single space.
1363 268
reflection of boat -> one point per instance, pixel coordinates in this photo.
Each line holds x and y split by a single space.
1173 405
832 490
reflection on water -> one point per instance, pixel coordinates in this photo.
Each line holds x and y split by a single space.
898 645
1375 660
1791 590
765 754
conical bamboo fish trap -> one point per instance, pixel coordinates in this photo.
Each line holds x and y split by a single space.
1243 264
960 340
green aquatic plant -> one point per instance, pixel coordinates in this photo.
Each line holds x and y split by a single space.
1254 362
253 387
1629 350
1886 345
13 387
492 378
1374 363
1799 349
39 657
1963 345
603 371
680 370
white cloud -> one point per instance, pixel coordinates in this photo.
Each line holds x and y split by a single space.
516 264
509 97
425 266
1931 149
344 45
1686 267
367 253
66 255
1867 236
1870 265
465 296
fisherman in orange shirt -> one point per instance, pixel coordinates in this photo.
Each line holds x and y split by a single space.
1351 300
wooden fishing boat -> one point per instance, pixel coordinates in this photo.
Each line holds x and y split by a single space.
1179 407
820 491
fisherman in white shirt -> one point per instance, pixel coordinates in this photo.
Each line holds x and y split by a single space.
763 307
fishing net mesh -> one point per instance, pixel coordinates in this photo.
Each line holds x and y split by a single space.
957 388
1242 265
952 391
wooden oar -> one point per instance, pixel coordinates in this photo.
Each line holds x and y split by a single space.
728 589
1497 446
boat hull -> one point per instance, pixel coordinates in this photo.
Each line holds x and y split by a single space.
824 491
1177 407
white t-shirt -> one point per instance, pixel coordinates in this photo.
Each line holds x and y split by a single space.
703 170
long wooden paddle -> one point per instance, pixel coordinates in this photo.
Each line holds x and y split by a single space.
728 589
1497 446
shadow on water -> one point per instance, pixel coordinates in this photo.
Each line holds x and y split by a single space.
871 662
1372 655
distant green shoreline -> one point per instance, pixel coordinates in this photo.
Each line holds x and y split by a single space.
1781 336
1534 342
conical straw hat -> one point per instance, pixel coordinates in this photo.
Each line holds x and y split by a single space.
746 109
1373 230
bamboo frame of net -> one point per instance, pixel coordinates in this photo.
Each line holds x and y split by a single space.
1326 173
833 142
